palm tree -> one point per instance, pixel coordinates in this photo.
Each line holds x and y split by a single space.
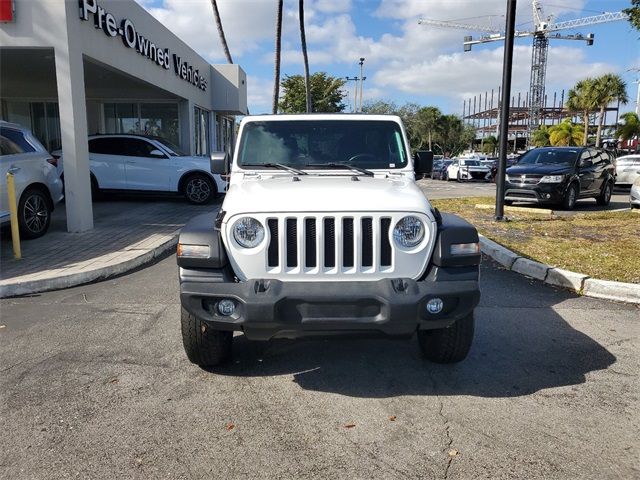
566 134
540 136
223 39
609 88
582 99
303 42
630 128
276 69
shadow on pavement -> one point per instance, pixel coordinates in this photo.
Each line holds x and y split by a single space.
520 347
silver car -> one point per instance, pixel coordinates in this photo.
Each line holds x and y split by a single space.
634 196
38 187
627 169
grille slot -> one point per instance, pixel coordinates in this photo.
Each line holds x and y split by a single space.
310 242
292 242
347 242
272 252
367 242
385 245
329 243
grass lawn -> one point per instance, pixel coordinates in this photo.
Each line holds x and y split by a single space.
602 245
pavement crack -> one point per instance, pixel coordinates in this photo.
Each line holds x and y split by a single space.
447 427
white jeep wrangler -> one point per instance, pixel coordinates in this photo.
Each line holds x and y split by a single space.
323 231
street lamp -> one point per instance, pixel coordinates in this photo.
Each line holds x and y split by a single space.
355 93
362 79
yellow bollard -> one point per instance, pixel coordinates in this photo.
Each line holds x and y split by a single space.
13 213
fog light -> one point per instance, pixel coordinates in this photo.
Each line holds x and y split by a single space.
547 196
435 305
226 307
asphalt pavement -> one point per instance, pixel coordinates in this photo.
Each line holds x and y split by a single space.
95 384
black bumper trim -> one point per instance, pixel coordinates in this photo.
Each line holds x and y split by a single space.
268 308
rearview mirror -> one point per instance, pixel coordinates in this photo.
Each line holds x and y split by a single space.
157 153
585 163
218 163
423 162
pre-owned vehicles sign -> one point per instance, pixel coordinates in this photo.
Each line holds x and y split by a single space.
132 39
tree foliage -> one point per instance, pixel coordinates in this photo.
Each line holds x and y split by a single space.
629 127
427 127
566 134
581 99
608 88
634 14
326 94
490 145
540 137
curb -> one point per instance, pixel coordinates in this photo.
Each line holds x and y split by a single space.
80 278
558 277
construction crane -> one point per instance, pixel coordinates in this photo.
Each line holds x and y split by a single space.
544 30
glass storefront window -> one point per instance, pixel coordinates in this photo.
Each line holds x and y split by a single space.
201 131
45 124
158 119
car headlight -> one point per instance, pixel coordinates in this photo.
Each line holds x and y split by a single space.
552 179
248 232
409 231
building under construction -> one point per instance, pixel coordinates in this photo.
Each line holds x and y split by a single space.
483 112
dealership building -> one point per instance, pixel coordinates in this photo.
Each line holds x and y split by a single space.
74 68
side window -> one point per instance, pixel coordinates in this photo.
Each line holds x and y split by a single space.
15 142
133 147
585 156
104 146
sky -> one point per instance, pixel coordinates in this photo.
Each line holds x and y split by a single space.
404 61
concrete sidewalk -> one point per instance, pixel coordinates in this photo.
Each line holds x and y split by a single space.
128 232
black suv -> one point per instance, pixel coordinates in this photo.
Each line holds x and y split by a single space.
561 175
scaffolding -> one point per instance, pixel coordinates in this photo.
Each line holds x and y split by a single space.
482 112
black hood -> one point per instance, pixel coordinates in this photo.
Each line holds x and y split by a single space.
540 169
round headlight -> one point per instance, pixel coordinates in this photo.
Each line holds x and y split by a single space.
248 232
409 232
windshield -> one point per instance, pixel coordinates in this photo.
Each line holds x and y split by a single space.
173 149
549 156
311 144
470 163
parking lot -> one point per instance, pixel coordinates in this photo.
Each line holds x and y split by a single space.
442 189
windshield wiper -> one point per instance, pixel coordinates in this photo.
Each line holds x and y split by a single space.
276 165
344 166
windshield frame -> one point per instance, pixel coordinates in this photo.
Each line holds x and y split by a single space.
398 130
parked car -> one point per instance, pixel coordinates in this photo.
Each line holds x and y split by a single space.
38 187
627 169
440 172
561 175
148 164
634 195
494 166
465 169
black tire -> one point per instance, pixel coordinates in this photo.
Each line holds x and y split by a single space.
570 197
199 189
459 177
446 176
204 346
448 345
34 213
96 193
605 195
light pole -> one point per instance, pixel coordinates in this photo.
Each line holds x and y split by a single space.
504 113
362 79
355 93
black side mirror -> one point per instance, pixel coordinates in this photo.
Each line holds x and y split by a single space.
423 162
586 163
218 163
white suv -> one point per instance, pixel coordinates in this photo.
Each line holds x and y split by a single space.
149 164
38 188
324 231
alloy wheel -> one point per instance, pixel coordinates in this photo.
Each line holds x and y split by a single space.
198 190
35 213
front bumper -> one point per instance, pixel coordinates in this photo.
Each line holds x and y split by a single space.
268 309
538 193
